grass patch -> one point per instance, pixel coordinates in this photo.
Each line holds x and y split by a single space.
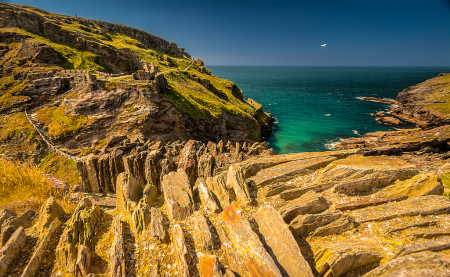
61 168
196 100
14 125
20 182
58 123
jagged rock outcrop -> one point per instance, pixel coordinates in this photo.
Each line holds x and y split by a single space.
280 240
76 245
48 213
244 251
11 249
178 195
338 258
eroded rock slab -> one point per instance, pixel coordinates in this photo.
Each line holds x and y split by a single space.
203 238
11 249
181 251
218 187
338 258
310 203
156 226
48 213
209 266
424 264
437 245
237 181
36 259
178 195
287 171
117 263
280 240
208 198
244 251
422 184
304 224
422 205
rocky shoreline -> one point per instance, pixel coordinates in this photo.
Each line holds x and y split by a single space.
165 191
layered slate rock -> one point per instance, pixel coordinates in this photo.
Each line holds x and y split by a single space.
218 187
132 201
11 224
342 224
338 258
117 264
208 198
237 181
422 205
245 253
426 264
76 245
287 171
203 237
11 249
188 160
36 259
178 195
362 174
304 224
181 251
280 240
253 166
48 213
437 245
156 225
209 266
310 203
422 184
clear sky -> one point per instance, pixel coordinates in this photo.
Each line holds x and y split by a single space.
265 32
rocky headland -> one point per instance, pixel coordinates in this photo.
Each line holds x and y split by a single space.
164 181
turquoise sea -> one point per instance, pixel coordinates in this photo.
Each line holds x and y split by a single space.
316 106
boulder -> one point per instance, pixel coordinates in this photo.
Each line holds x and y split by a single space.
236 180
11 249
117 263
209 266
424 264
36 259
421 205
244 251
280 240
178 195
181 251
302 225
338 258
287 171
48 213
156 225
309 203
422 184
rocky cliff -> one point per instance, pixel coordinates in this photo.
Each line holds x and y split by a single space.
84 81
147 205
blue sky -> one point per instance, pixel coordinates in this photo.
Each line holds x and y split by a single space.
250 32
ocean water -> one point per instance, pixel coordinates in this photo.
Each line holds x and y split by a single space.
315 107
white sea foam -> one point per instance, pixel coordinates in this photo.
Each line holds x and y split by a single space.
331 145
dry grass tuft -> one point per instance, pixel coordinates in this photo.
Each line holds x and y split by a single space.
24 187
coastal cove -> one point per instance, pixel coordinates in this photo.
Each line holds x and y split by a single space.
316 106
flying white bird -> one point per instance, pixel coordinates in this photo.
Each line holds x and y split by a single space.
323 45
